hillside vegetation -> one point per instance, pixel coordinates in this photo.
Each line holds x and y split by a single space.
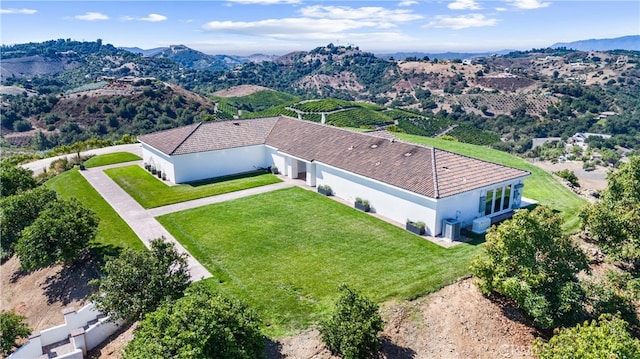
500 101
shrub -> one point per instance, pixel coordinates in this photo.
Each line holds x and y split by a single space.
352 330
418 224
202 324
530 260
12 327
362 201
569 176
606 337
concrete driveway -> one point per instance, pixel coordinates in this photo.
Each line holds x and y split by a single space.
39 166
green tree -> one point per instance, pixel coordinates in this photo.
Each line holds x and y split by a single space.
202 324
569 176
615 294
138 281
352 330
59 234
613 220
19 211
530 260
606 337
15 179
12 327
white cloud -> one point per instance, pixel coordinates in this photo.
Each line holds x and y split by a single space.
92 16
149 18
464 5
501 9
18 11
289 28
461 22
319 23
367 13
529 4
153 18
407 3
265 2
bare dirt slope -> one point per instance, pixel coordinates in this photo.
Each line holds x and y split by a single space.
42 295
239 91
455 322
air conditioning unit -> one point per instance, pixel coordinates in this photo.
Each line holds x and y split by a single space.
451 229
481 225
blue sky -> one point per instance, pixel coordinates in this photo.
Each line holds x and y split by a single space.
244 27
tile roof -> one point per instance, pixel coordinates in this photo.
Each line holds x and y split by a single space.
424 170
210 136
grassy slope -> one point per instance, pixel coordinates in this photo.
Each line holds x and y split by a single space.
541 186
112 229
111 158
286 251
151 192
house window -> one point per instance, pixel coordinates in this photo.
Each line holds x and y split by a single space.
497 199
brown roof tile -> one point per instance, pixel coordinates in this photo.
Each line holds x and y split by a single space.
431 172
210 136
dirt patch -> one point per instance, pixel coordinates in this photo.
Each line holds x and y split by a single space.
455 322
42 295
591 182
239 91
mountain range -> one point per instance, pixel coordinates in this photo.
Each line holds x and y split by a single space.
190 58
631 43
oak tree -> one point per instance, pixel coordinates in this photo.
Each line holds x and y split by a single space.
530 260
202 324
59 234
352 330
138 281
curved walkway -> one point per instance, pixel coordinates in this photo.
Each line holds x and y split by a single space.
42 165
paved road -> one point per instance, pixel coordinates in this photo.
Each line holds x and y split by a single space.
40 165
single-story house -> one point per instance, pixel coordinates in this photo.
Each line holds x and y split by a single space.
401 181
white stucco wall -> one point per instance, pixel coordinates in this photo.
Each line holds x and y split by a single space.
158 159
202 165
275 158
391 202
466 206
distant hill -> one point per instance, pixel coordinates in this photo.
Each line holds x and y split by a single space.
148 52
439 56
631 43
196 60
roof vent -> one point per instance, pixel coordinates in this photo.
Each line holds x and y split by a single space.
350 147
236 123
375 145
408 154
378 163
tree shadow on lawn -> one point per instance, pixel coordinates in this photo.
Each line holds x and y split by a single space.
213 180
72 281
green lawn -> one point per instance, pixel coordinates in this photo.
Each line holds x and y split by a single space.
112 231
541 186
151 192
111 158
285 252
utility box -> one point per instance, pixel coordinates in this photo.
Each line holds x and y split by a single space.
481 225
451 229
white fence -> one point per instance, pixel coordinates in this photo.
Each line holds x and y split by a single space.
84 329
